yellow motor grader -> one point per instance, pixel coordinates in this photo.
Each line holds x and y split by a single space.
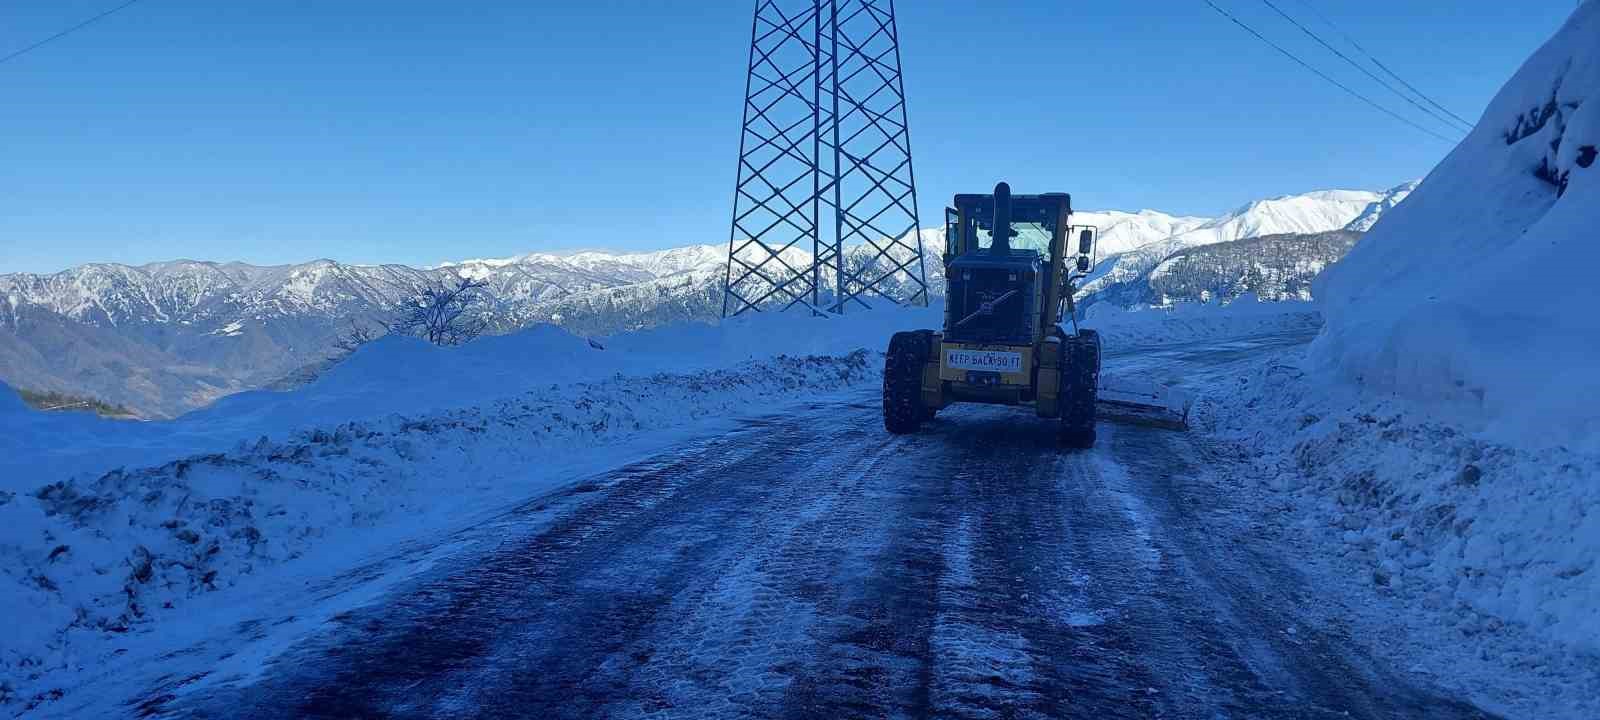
1009 286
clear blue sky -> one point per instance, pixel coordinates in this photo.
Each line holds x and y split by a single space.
418 131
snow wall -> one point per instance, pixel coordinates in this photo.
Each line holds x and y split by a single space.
1480 291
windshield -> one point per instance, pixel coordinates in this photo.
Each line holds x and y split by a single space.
1024 236
1033 225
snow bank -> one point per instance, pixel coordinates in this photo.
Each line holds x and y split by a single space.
1480 533
1478 291
399 375
409 377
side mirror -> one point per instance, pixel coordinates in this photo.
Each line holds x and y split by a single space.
1083 263
1085 242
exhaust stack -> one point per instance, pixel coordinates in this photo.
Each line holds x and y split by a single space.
1002 220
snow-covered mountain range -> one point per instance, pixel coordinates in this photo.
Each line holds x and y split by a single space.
166 337
1124 277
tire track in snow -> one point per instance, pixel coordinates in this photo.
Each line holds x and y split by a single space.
872 656
981 668
1195 656
1039 564
601 644
733 645
541 606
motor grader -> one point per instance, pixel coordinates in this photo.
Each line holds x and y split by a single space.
1009 274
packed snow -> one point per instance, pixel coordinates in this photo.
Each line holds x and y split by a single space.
1478 291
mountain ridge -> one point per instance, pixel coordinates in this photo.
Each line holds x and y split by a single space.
172 335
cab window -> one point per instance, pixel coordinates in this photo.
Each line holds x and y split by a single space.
1032 228
1024 236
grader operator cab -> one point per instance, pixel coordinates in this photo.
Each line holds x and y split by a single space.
1010 270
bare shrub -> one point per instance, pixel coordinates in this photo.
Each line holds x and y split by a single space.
445 314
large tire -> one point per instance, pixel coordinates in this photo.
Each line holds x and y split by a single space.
902 381
1080 384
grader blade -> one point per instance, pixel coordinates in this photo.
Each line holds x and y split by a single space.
1143 402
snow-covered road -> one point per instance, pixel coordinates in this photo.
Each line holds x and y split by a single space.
807 564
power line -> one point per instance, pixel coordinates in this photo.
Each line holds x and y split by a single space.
1379 63
64 33
1323 75
1363 70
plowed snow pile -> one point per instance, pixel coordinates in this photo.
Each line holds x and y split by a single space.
1479 290
1455 453
1492 545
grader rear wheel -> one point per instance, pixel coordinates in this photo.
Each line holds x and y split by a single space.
1080 382
902 381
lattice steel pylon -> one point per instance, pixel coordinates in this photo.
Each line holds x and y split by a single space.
825 200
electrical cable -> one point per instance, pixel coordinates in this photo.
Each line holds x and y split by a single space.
1379 63
1325 76
64 33
1368 73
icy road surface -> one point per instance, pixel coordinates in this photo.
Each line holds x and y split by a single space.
810 565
